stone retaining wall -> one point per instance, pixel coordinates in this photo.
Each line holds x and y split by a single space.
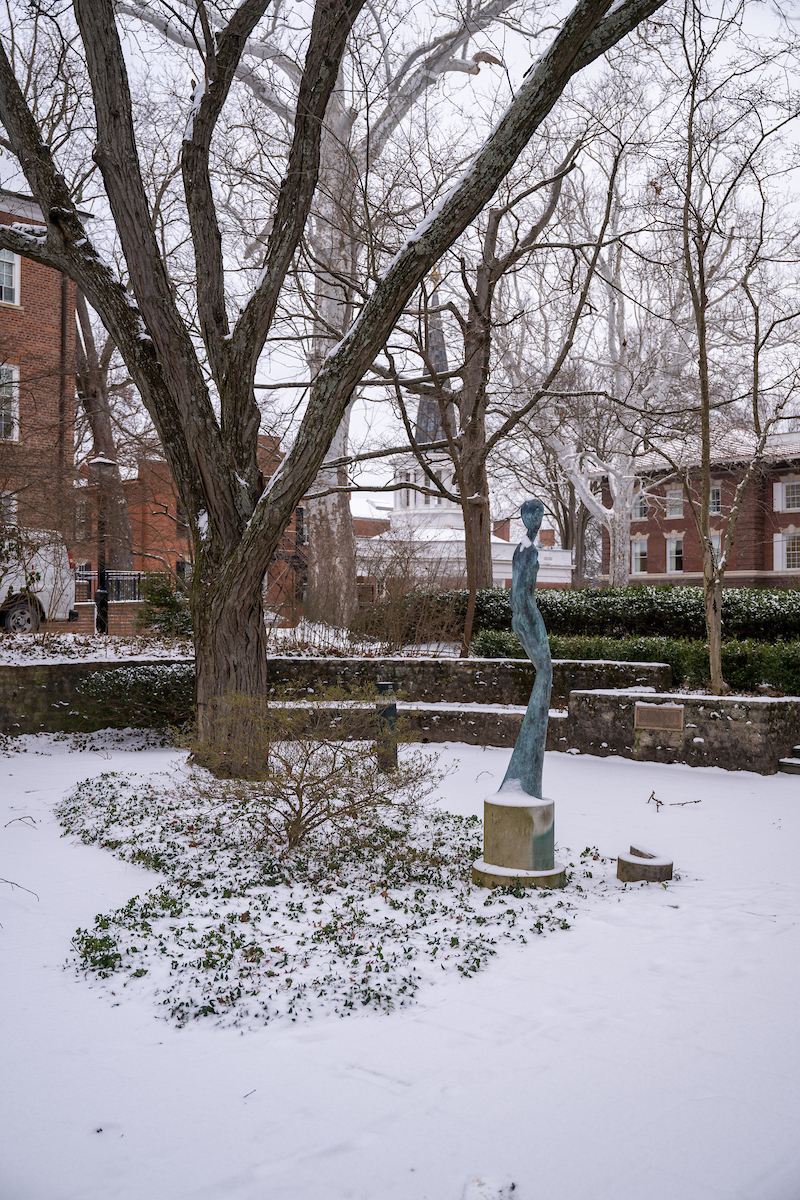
737 733
44 697
467 681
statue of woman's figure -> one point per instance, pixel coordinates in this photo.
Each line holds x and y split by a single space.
528 757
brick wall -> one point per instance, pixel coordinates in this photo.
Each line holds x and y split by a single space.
37 464
122 616
162 539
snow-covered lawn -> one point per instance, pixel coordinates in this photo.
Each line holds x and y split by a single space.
26 649
649 1052
306 639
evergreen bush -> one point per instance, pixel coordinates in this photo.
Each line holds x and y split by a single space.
166 608
678 612
746 664
145 695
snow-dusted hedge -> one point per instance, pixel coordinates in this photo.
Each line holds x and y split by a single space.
745 664
764 613
144 695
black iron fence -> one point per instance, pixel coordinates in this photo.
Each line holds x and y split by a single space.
120 585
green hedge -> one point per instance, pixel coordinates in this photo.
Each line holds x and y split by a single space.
166 608
745 664
761 613
144 696
677 612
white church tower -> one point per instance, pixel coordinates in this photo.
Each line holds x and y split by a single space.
413 508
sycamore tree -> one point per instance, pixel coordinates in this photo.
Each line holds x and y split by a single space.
722 175
196 378
389 79
623 330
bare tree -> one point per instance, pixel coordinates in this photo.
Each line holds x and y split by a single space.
386 72
236 523
721 191
695 308
92 379
468 424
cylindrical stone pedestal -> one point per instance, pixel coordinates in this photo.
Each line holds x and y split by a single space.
518 843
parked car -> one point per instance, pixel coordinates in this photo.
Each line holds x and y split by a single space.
37 582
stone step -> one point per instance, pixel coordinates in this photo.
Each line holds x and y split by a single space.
791 766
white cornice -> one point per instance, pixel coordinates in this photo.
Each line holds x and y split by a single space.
17 205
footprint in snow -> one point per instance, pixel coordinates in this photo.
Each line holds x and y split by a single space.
481 1188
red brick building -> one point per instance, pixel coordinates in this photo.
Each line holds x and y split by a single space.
162 541
37 383
665 547
39 487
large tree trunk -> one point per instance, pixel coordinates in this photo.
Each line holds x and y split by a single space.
619 548
230 643
579 519
331 592
478 525
472 588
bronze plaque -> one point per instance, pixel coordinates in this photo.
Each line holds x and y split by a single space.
659 716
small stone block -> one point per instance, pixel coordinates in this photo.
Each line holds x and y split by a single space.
638 867
490 875
790 766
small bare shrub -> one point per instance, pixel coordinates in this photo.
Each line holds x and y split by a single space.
284 769
415 618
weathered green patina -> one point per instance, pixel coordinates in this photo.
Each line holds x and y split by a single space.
525 768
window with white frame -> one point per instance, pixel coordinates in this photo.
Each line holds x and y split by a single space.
715 499
791 496
792 551
716 544
675 502
9 402
9 277
639 556
405 494
640 507
674 554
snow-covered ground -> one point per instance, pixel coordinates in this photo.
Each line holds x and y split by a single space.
651 1050
26 649
305 640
